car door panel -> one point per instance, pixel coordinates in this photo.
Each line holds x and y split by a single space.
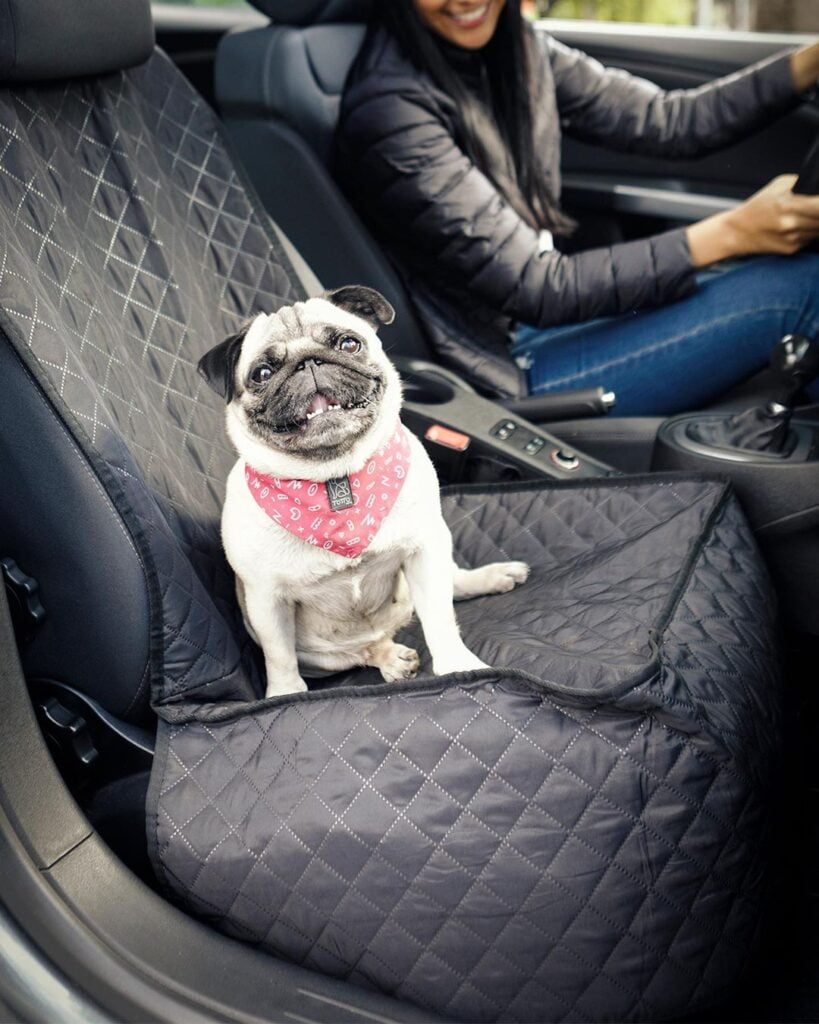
679 189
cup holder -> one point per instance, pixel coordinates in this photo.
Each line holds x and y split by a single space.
426 388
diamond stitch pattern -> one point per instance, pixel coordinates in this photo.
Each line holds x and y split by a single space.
157 256
577 834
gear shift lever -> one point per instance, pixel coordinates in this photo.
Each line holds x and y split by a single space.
795 363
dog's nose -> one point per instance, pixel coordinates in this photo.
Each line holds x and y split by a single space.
306 362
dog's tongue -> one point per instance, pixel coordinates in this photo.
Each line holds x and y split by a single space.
320 403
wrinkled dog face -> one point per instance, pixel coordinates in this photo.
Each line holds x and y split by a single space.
308 380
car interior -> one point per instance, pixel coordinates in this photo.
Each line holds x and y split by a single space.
84 153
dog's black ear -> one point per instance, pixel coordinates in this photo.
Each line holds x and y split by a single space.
218 366
367 303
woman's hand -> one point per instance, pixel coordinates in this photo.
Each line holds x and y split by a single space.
774 220
805 67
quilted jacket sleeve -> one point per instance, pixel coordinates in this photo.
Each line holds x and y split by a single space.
623 112
447 220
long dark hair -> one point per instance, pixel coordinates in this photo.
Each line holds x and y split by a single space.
503 147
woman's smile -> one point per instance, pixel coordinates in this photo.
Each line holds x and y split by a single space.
470 19
469 25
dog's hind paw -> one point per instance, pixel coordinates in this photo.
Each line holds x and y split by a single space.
397 662
495 578
507 575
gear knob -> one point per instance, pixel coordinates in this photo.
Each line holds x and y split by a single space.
795 361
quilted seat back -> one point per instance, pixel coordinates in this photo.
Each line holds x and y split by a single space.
128 247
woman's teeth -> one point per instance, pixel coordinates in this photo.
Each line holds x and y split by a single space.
471 17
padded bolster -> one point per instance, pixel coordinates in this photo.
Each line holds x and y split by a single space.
296 74
92 580
50 39
314 12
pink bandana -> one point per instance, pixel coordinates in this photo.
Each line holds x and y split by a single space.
341 515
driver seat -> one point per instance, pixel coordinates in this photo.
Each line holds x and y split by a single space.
279 89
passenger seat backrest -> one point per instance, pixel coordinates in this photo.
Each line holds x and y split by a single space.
279 90
295 68
296 74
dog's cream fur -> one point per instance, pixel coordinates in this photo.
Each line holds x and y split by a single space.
314 611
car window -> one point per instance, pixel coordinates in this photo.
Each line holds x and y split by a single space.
744 15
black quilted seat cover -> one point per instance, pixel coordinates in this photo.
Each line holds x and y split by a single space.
575 834
128 247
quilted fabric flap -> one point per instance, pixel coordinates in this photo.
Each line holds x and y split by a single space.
608 560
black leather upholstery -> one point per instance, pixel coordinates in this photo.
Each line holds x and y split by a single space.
129 245
315 12
279 90
53 39
290 73
59 525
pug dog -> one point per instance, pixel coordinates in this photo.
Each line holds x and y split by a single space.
332 520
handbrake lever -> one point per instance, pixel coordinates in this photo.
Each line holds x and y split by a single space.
562 405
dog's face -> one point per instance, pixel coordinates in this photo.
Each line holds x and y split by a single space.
310 380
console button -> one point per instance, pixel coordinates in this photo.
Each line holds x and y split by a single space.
448 438
564 459
534 446
504 430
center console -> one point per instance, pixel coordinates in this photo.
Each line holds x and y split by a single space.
472 439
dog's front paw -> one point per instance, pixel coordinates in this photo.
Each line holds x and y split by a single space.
463 661
399 662
279 686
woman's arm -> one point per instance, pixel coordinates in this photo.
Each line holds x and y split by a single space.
447 223
624 112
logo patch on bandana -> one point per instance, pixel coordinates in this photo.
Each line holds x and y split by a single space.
340 493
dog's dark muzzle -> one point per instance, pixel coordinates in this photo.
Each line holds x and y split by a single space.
314 387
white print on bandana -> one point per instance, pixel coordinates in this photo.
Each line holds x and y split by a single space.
302 507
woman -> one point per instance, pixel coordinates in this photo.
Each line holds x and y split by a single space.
449 147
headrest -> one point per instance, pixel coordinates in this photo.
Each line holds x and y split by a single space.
41 40
315 12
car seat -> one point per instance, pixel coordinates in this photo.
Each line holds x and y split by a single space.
604 787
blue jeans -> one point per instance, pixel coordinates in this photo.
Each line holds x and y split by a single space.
682 355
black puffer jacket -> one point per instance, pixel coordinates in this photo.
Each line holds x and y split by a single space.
472 264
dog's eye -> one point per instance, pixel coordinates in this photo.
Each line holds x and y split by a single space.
262 374
349 345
